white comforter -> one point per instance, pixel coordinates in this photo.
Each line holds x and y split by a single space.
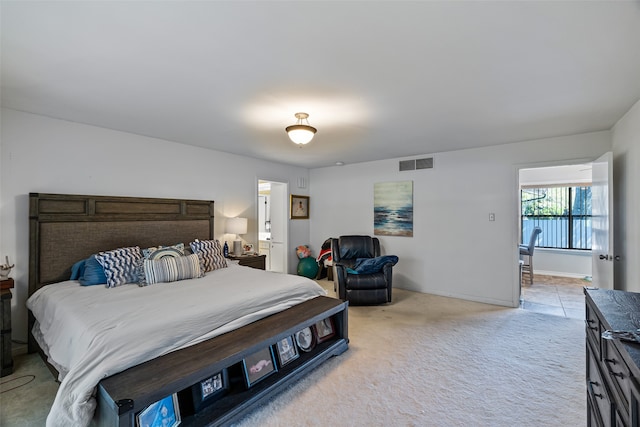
94 332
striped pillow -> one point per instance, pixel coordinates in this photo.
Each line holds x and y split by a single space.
211 252
170 269
120 265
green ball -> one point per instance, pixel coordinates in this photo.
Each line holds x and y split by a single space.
308 267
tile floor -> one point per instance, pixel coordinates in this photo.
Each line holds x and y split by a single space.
560 296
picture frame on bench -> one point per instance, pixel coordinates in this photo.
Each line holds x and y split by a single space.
325 329
258 366
287 350
164 412
306 339
208 390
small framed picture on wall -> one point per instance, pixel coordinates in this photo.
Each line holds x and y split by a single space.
299 207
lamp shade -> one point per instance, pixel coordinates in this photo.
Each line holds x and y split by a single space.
236 225
301 133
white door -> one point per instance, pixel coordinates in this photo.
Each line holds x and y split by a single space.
602 222
264 223
278 213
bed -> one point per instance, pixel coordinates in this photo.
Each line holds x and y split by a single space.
114 359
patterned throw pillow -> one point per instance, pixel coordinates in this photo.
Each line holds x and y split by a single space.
170 269
211 252
120 265
156 252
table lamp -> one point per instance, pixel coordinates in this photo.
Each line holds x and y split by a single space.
237 226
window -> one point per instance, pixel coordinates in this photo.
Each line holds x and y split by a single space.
563 213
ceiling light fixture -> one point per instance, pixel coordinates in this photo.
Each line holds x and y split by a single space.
300 133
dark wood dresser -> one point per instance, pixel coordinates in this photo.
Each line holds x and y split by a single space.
6 358
255 261
613 373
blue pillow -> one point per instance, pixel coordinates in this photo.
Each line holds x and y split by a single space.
77 270
93 273
372 265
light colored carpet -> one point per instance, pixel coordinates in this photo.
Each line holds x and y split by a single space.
421 361
27 394
432 361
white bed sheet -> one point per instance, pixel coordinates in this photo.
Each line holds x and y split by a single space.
94 332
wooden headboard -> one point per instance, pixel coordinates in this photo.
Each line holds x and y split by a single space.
66 228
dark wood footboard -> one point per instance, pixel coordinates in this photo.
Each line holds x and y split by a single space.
122 396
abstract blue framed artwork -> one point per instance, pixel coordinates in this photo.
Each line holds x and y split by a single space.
393 208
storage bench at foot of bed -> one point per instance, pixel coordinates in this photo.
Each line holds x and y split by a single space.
122 396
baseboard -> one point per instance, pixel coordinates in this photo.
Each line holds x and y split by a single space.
560 273
18 348
464 297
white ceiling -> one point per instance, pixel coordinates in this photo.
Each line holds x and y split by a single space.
379 79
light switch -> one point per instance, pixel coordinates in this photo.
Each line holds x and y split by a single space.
492 216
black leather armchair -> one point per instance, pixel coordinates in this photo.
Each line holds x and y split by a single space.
360 289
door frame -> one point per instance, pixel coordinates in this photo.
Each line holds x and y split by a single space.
285 218
517 283
602 263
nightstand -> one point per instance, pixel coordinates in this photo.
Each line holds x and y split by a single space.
6 359
255 261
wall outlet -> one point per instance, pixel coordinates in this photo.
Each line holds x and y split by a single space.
492 216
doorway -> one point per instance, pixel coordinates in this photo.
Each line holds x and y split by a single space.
272 224
558 200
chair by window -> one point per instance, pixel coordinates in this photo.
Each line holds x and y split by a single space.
527 250
360 289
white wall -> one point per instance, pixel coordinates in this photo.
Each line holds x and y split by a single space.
562 262
626 176
456 251
41 154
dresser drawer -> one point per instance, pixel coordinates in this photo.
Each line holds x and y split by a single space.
620 421
598 392
618 375
594 329
634 406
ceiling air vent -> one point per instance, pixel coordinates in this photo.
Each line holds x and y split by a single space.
410 165
426 163
407 165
